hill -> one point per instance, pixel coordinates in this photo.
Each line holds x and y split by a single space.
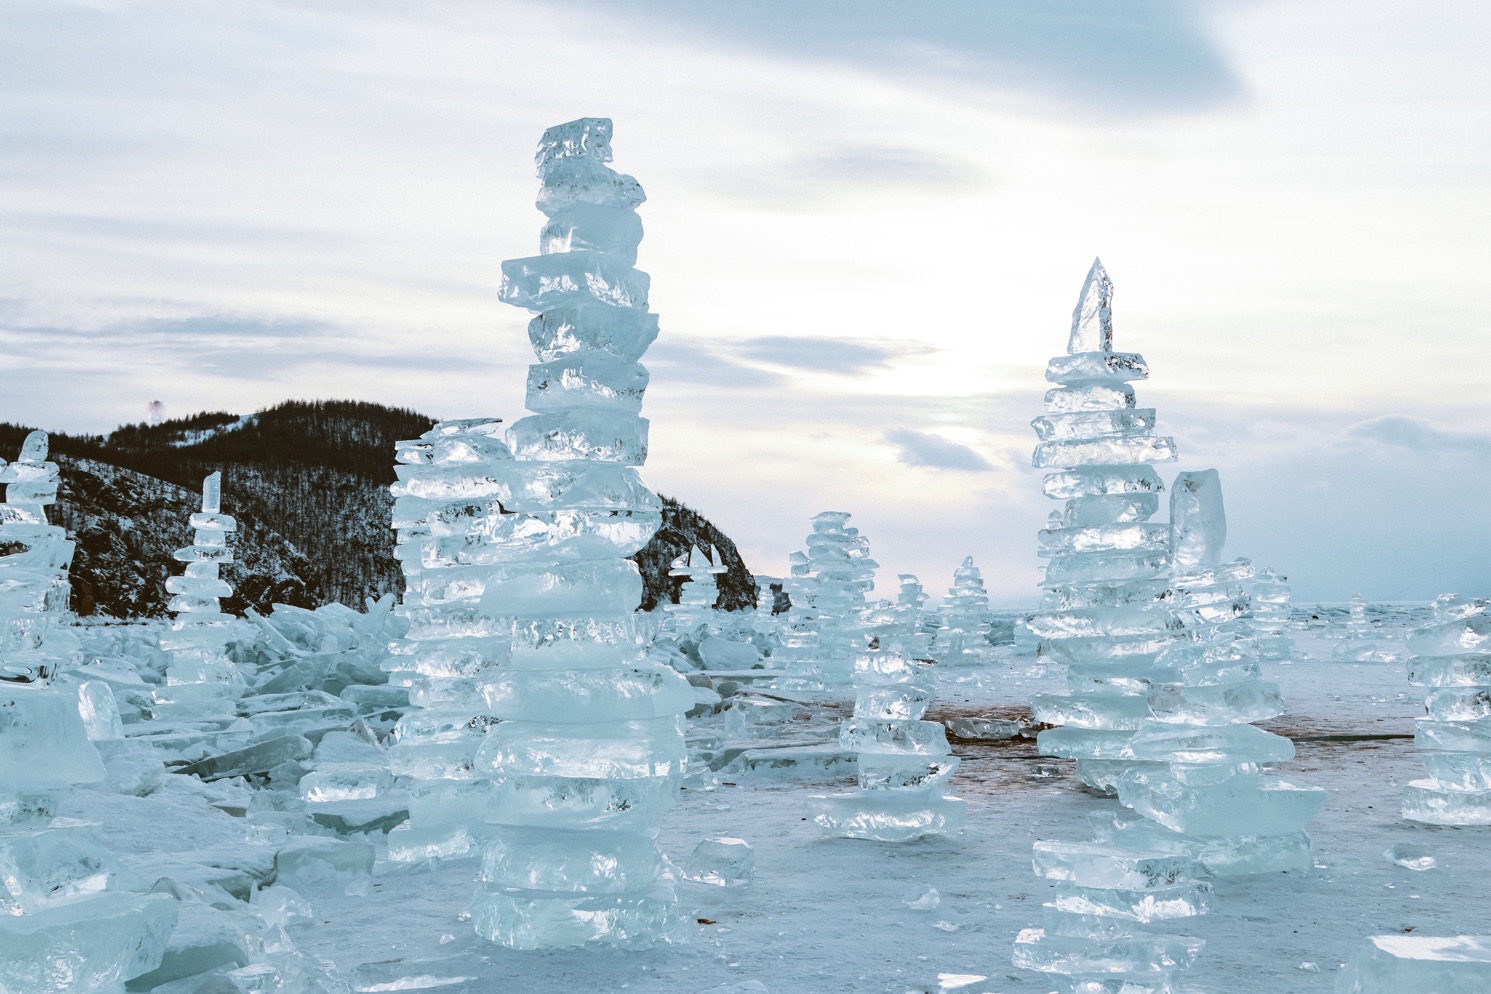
308 482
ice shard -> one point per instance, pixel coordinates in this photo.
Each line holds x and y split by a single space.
582 746
1453 661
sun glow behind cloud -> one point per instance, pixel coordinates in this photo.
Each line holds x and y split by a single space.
861 248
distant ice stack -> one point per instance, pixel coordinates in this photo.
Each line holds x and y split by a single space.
202 681
964 637
1453 659
1103 613
701 589
35 623
587 751
454 534
840 571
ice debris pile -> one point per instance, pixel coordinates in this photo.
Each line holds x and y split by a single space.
587 750
1453 659
902 761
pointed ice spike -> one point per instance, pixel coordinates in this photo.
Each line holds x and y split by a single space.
34 449
1198 523
212 493
1092 321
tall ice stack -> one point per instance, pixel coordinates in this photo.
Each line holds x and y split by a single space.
588 749
1103 613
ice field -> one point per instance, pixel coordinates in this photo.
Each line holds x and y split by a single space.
1162 778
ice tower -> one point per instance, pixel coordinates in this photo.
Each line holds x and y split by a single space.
1103 613
835 574
200 673
964 638
66 923
588 750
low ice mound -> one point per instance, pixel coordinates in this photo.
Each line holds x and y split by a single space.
1397 964
1453 659
586 751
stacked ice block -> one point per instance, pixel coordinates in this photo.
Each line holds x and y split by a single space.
1103 613
455 536
588 749
964 638
1270 600
903 761
696 600
839 565
1453 658
35 640
66 921
201 680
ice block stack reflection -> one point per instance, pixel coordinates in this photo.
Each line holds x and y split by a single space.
588 749
1103 612
1453 659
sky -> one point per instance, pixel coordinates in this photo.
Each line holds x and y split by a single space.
867 225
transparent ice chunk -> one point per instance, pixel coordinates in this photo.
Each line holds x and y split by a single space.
721 862
1092 319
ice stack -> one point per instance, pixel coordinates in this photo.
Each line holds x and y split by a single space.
1194 769
1093 938
201 680
903 761
1453 658
67 923
588 749
696 600
1103 613
35 640
964 638
908 636
842 572
455 484
1270 600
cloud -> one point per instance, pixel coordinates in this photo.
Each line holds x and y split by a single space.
680 362
831 355
1418 434
916 448
1143 57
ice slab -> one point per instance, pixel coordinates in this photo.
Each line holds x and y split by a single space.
1395 964
1094 864
43 741
1084 367
588 696
312 865
1241 805
576 861
1109 451
87 947
1143 959
521 919
887 815
1436 804
1182 900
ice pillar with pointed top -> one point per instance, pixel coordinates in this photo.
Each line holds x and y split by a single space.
587 751
1103 612
964 638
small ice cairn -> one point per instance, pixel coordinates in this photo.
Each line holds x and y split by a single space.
696 600
902 761
588 749
201 679
66 923
964 638
1102 613
1358 627
835 574
35 635
1452 657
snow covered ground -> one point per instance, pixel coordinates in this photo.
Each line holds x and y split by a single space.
831 915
